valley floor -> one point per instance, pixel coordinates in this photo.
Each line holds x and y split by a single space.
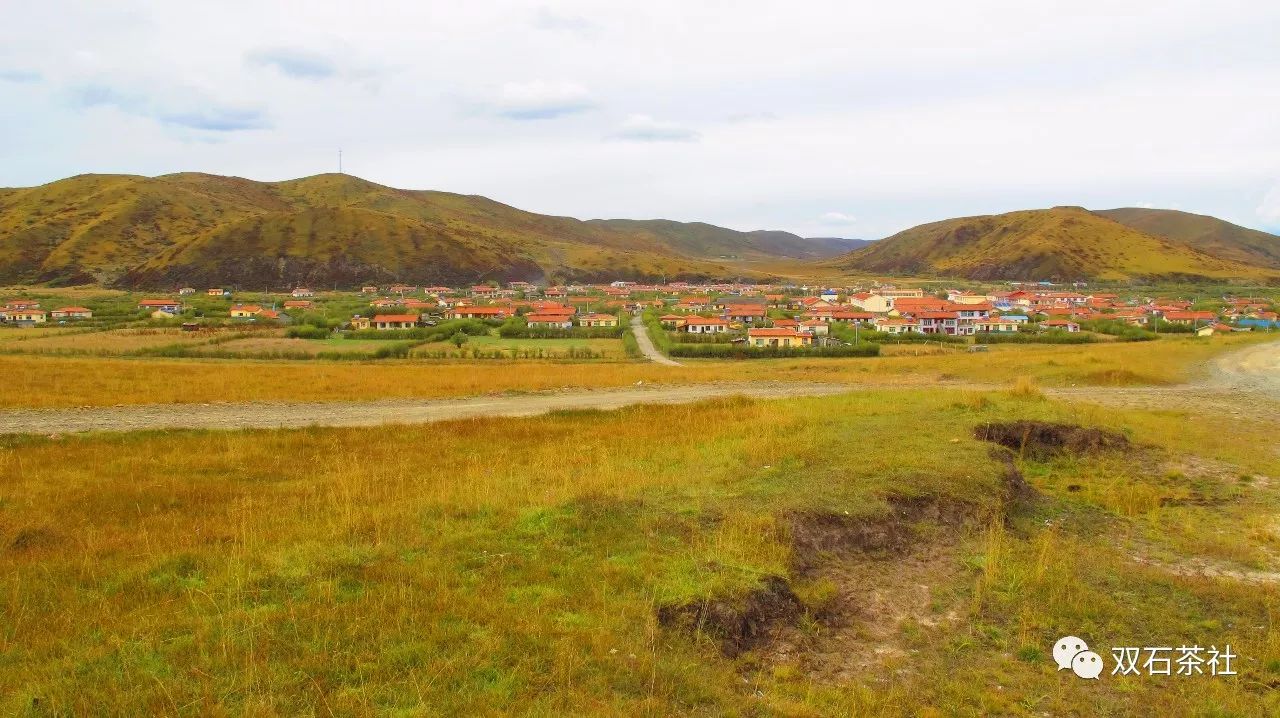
905 535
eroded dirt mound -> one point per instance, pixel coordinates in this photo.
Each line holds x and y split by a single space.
742 624
862 576
1044 440
817 534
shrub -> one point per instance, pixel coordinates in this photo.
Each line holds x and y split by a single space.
1116 328
742 351
1050 337
518 328
308 331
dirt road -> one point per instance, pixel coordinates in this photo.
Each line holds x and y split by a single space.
1244 384
267 415
646 344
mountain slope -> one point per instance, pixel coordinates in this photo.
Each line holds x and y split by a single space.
1208 234
328 229
698 239
1063 243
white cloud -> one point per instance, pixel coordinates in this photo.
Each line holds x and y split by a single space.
538 100
643 128
185 109
838 218
991 106
294 62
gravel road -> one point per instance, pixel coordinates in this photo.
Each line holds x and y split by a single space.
646 344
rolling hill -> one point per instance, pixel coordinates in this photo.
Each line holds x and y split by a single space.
1062 243
1208 234
337 230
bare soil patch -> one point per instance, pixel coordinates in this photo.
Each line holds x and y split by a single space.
1043 440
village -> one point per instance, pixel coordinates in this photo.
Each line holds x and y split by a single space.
684 319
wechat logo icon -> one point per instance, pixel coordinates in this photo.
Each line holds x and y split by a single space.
1073 653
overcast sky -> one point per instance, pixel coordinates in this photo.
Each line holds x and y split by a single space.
847 118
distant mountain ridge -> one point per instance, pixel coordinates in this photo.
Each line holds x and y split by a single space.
699 239
1067 243
339 230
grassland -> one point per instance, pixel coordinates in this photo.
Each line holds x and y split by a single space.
519 565
83 381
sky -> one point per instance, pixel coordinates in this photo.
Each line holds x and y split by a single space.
850 118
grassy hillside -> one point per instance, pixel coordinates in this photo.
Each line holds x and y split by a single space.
325 230
1209 234
1063 243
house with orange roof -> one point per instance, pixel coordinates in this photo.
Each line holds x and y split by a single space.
386 322
995 326
816 327
479 312
1185 317
777 337
933 322
298 304
895 325
746 313
550 321
25 316
705 325
169 306
1065 325
598 320
838 315
71 313
245 311
672 321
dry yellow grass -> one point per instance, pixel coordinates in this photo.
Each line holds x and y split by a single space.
114 341
515 565
61 382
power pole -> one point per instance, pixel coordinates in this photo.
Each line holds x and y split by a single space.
339 160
